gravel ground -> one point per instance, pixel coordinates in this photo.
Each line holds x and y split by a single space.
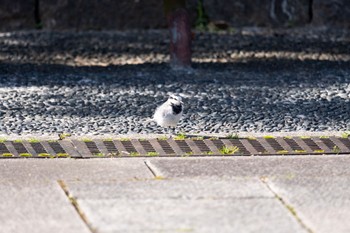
249 80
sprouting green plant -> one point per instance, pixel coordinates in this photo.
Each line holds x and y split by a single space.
33 140
304 137
107 139
208 152
213 138
134 153
113 154
25 155
336 149
86 140
124 139
251 138
99 154
232 136
269 137
152 153
44 155
226 150
282 152
202 18
318 151
18 141
187 154
52 140
180 136
300 151
2 140
62 155
345 134
7 155
64 135
162 138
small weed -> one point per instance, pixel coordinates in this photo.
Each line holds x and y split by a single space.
162 138
304 137
62 136
208 152
86 140
114 154
269 137
33 140
7 155
152 153
44 155
18 141
282 152
25 155
107 140
225 150
336 150
124 139
345 134
99 154
180 136
213 138
251 138
300 151
2 140
62 155
232 136
134 154
318 151
52 141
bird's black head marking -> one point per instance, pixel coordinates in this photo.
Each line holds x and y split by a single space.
177 108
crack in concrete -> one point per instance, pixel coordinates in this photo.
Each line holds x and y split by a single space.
289 207
76 206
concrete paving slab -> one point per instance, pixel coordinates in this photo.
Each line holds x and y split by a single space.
37 208
315 187
323 203
183 205
330 165
33 201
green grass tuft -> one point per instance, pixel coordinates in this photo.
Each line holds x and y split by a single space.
44 155
232 136
282 152
25 155
152 153
227 150
99 154
62 155
7 155
33 140
269 137
180 136
345 134
134 154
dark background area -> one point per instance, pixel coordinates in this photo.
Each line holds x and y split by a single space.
141 14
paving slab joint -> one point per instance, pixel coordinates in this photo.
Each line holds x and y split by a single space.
76 206
289 207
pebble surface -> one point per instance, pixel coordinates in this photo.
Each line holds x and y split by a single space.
111 82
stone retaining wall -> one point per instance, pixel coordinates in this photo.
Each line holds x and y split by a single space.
126 14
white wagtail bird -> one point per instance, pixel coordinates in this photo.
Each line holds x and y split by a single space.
169 113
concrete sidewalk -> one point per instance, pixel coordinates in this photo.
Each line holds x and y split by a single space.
221 194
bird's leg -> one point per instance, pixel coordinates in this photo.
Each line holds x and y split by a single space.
169 133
